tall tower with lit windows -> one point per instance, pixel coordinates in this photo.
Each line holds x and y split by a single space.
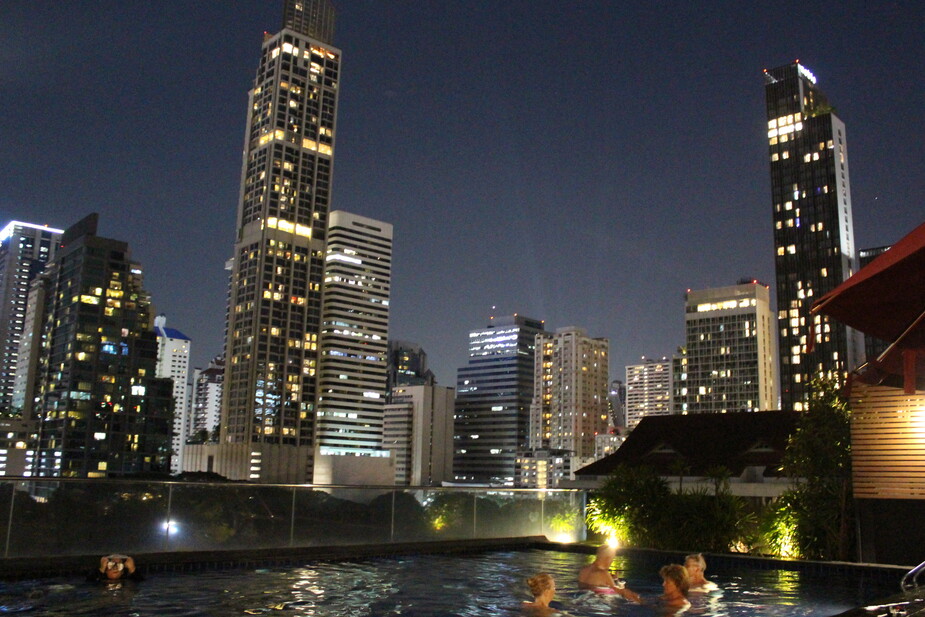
649 388
268 415
25 249
570 407
354 337
813 229
101 409
731 361
493 395
570 386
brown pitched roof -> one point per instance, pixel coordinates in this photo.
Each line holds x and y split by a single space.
702 441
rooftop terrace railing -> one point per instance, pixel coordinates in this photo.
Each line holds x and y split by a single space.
51 517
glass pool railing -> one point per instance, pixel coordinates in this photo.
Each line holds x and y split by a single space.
46 517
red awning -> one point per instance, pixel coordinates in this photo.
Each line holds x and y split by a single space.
886 299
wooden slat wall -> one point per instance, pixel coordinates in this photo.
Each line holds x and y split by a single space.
887 443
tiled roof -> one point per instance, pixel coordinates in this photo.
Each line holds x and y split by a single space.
701 441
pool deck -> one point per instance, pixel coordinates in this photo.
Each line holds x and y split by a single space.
191 561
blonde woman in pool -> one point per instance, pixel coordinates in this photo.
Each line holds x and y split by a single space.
543 588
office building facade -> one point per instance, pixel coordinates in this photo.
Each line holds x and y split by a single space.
354 336
25 249
418 432
274 315
648 390
493 395
813 229
731 360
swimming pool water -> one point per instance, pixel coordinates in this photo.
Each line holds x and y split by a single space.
434 585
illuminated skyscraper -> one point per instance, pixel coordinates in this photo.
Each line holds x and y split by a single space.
648 390
354 336
570 387
813 229
569 407
274 317
101 410
731 364
493 395
24 250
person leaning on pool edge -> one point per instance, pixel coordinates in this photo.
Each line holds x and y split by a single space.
596 575
116 567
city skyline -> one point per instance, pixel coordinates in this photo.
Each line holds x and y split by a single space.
618 155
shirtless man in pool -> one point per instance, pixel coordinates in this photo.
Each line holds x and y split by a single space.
596 576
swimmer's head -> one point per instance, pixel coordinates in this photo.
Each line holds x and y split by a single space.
541 583
605 552
114 568
695 562
676 575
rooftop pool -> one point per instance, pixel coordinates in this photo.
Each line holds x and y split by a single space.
479 584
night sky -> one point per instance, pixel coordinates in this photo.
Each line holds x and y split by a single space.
579 162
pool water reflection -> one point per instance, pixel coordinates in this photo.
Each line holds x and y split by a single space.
434 585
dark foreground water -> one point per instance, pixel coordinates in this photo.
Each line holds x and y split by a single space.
433 585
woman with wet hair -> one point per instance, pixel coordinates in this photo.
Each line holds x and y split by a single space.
543 588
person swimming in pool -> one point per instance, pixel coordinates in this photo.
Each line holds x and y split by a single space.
675 584
543 588
116 567
696 565
596 576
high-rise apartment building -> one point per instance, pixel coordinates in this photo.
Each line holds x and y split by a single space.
18 438
25 248
493 395
101 409
648 390
274 316
731 364
173 349
418 432
207 401
354 336
813 229
570 387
